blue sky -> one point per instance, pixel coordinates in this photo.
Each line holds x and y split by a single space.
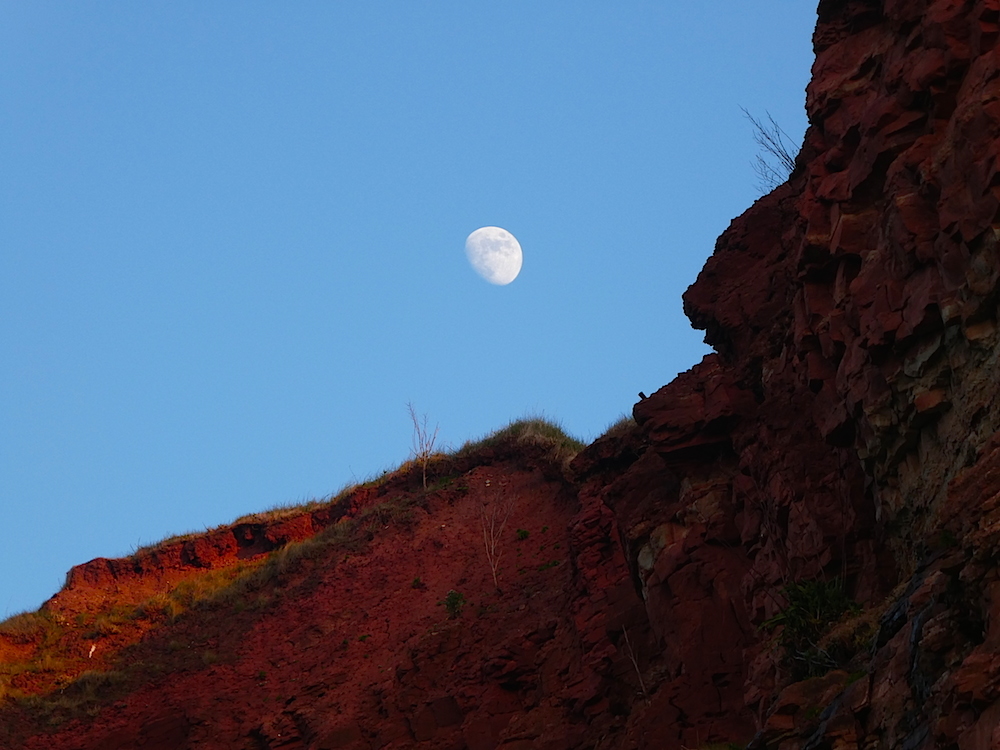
232 238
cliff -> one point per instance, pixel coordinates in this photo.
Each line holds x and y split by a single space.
836 457
793 545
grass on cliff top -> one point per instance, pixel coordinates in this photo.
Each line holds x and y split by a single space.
558 446
24 627
529 431
622 426
532 431
535 431
249 585
52 683
243 586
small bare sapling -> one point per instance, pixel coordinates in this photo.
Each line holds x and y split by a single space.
423 441
497 505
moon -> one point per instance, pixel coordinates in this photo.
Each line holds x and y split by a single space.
495 254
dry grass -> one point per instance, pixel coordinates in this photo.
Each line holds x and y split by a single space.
48 655
530 431
191 593
25 627
622 426
84 696
106 624
255 584
247 586
46 663
240 587
287 510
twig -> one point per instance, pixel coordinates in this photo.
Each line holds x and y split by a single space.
635 663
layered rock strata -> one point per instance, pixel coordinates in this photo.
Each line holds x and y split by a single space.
845 429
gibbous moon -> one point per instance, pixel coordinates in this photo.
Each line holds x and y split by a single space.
495 254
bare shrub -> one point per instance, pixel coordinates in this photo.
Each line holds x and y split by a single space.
776 164
494 511
423 440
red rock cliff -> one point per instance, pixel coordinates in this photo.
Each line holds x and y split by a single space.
843 432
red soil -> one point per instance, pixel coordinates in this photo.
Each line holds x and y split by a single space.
355 649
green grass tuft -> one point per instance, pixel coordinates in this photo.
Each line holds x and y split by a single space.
82 697
454 603
622 426
528 431
813 609
26 627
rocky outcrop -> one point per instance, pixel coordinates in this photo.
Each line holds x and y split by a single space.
844 431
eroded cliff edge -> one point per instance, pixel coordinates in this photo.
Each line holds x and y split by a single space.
845 431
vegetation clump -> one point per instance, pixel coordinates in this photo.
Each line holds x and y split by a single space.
25 627
813 608
454 603
624 425
84 696
530 431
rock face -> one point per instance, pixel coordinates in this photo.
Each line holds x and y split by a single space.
794 546
844 429
369 621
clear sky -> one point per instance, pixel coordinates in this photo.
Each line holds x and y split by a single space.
232 238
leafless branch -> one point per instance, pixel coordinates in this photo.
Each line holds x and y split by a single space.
497 505
778 161
423 440
635 662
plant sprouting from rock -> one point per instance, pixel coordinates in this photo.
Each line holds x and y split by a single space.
813 606
496 506
423 441
454 603
777 161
